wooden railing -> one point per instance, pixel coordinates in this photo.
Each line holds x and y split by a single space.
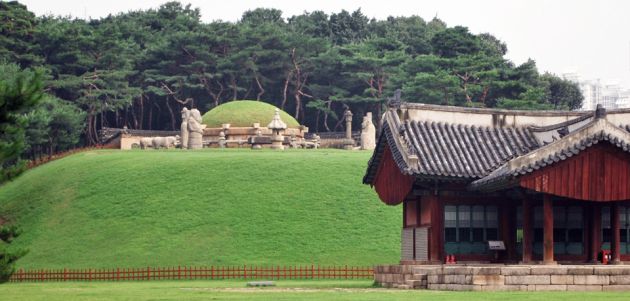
194 273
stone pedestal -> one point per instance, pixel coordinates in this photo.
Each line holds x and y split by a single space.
348 144
195 140
276 141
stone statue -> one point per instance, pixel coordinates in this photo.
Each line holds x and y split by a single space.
166 142
184 127
146 142
368 132
195 130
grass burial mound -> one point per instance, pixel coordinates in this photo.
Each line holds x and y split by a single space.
243 113
102 209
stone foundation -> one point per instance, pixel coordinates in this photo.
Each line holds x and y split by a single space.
400 276
504 277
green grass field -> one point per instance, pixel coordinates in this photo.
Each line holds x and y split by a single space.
285 290
210 207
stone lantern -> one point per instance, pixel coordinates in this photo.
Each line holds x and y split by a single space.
277 127
348 143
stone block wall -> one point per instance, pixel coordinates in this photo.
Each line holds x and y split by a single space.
399 276
506 278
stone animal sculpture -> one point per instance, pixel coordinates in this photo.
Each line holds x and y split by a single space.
146 142
166 142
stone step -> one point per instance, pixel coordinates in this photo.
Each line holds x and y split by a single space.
416 283
404 287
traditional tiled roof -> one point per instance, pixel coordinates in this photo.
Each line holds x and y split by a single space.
475 145
107 134
463 151
570 145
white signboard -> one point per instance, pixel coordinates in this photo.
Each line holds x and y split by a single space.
496 245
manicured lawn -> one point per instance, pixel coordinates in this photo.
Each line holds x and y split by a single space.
106 209
285 290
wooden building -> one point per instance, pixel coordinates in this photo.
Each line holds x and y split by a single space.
552 186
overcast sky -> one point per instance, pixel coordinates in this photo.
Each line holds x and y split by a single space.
589 37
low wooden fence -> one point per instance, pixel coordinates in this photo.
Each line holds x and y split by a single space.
195 273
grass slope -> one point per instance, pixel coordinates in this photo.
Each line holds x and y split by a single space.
224 207
242 113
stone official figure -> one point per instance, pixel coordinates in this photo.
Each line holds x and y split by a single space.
195 130
184 128
368 133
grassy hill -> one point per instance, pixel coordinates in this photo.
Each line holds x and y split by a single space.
243 113
224 207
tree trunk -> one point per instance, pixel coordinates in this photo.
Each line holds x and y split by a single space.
260 87
94 130
216 97
249 90
50 148
465 78
482 99
141 121
445 96
326 115
298 105
286 88
150 117
234 88
170 110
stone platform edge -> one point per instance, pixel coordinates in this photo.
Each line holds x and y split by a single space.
504 277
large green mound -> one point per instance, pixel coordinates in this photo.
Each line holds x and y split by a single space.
224 207
243 113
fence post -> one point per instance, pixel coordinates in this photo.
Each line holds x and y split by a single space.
179 272
148 273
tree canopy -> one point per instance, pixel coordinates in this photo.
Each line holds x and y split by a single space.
139 69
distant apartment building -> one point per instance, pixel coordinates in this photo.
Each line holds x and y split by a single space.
610 96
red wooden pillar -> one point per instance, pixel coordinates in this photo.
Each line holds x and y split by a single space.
548 230
596 230
436 216
528 230
615 245
507 231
